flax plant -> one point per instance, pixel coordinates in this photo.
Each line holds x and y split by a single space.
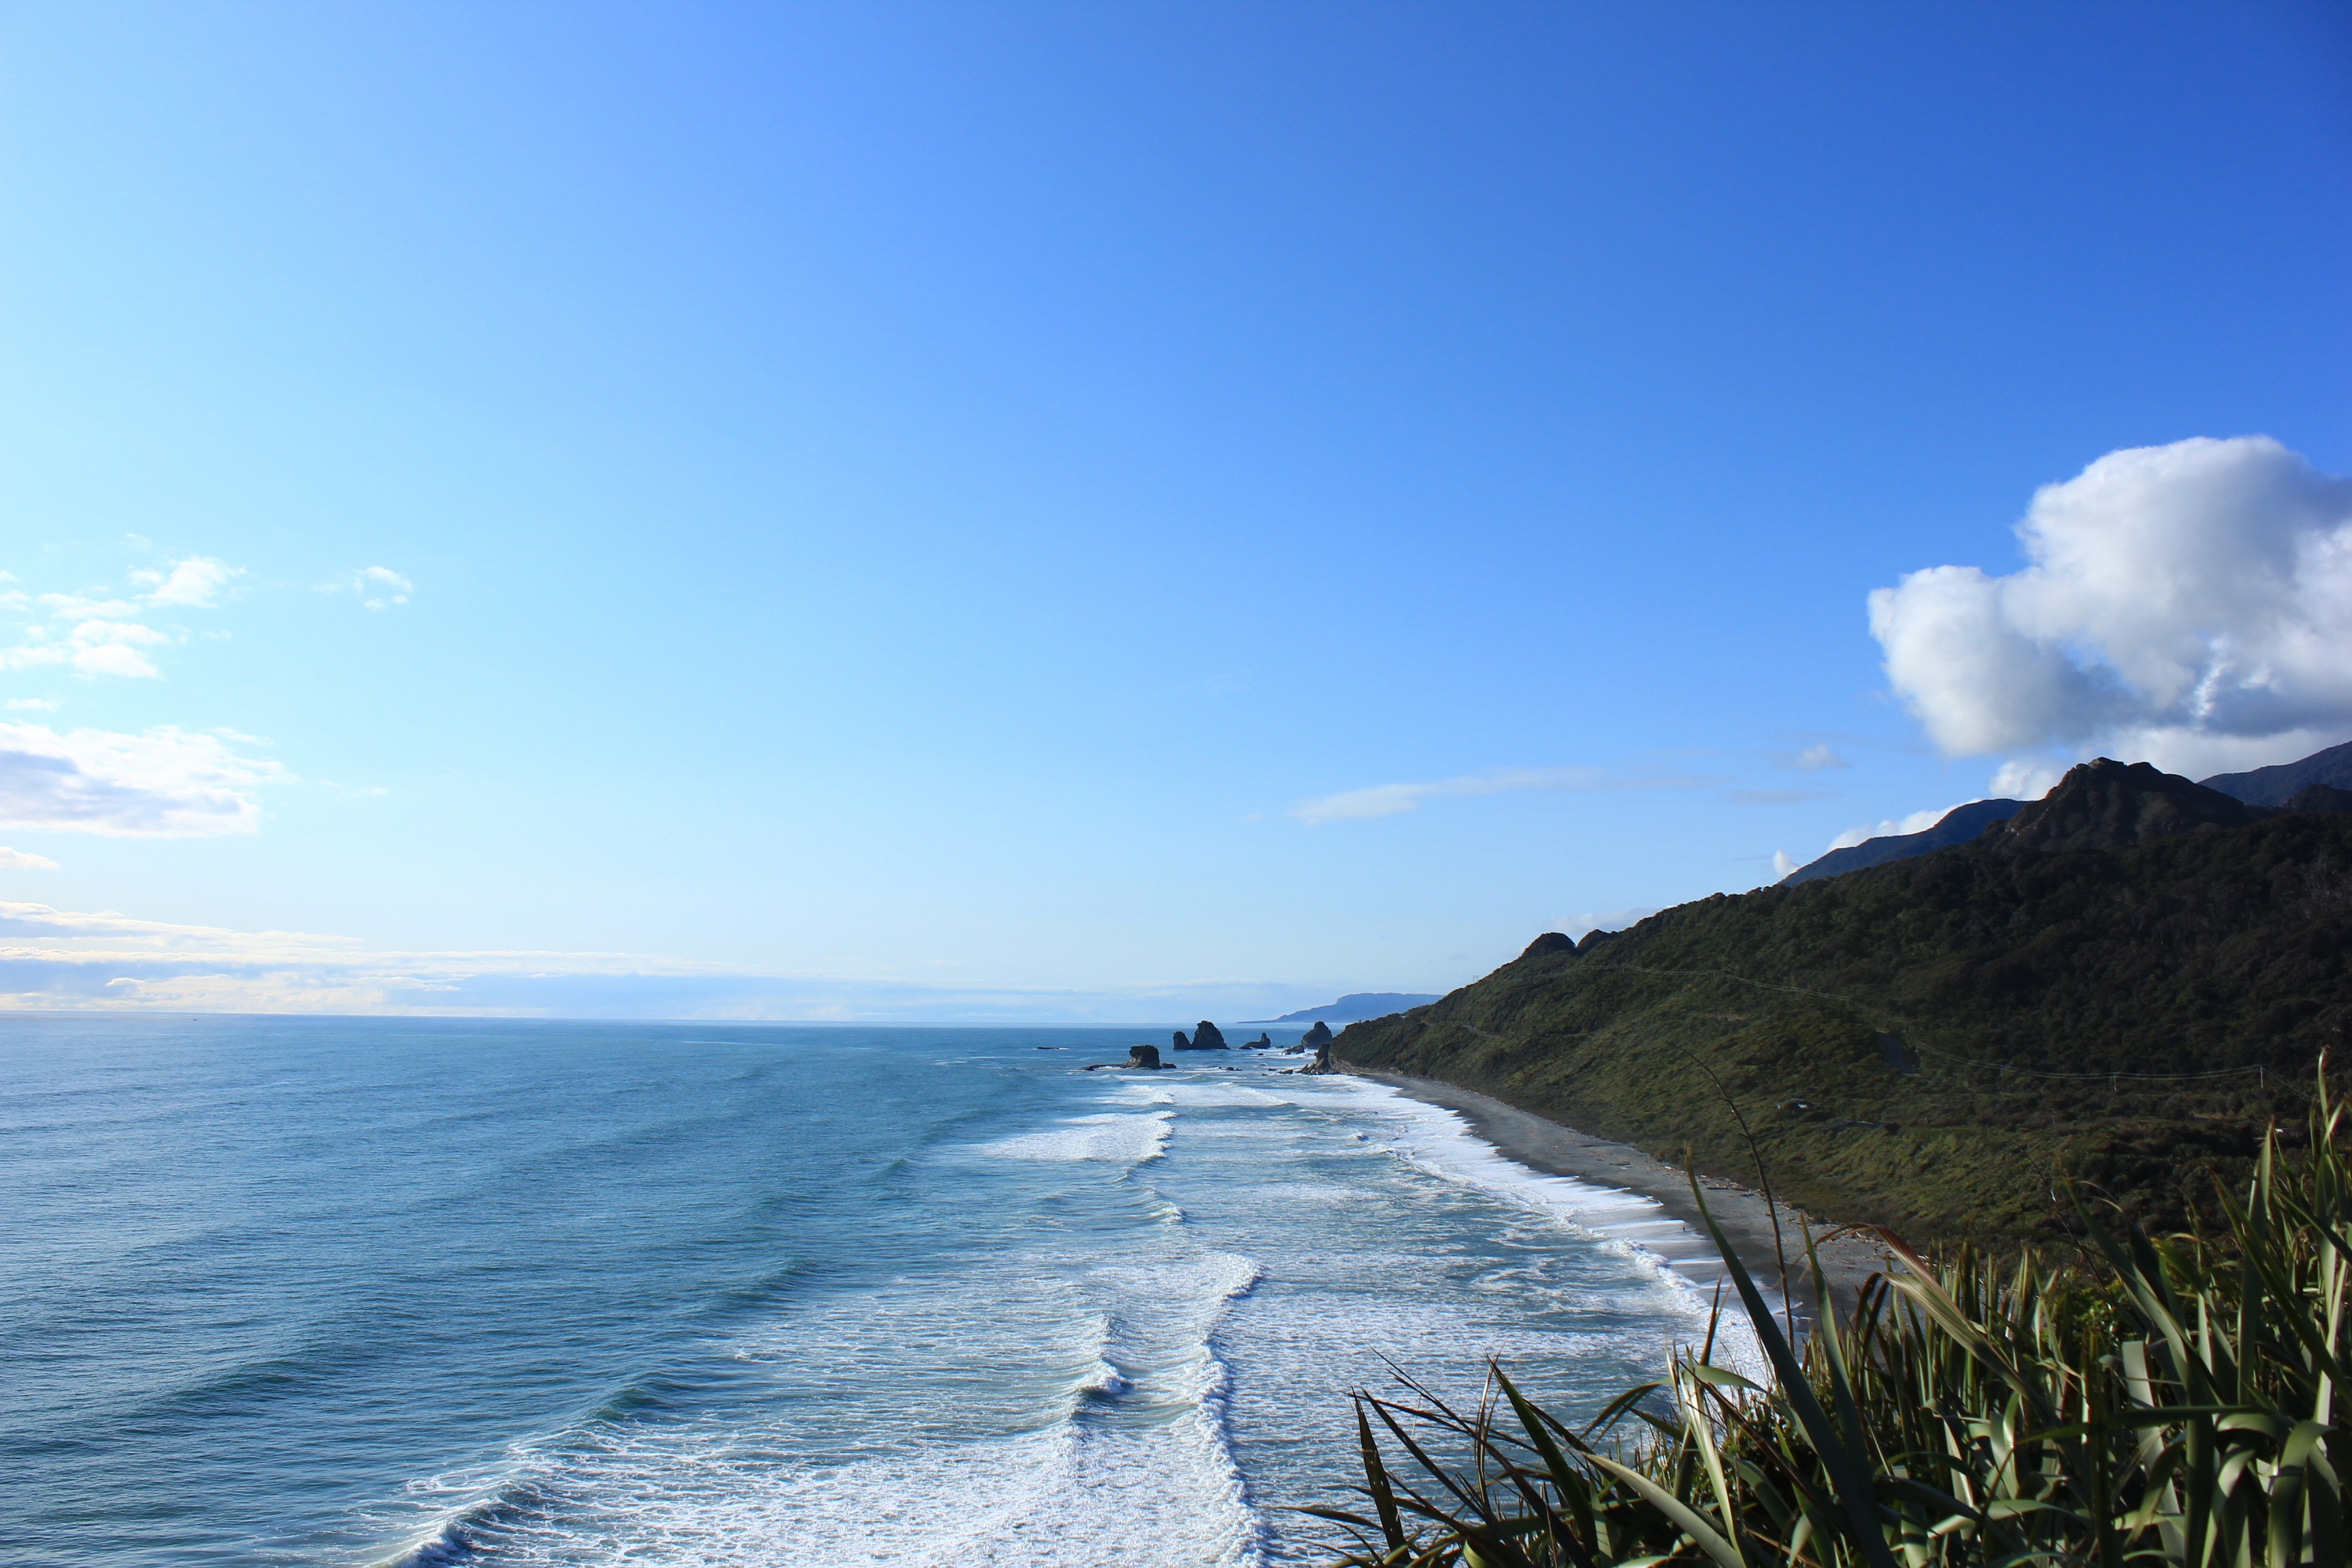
2166 1400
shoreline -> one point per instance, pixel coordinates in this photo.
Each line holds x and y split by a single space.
1558 1150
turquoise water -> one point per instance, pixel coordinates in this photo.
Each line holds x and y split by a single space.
372 1291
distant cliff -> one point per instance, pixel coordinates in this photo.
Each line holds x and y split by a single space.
1357 1005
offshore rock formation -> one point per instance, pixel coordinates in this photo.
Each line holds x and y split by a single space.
1206 1037
1322 1062
1143 1058
1316 1039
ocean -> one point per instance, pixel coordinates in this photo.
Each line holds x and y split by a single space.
397 1292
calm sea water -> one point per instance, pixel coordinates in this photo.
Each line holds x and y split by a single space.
390 1291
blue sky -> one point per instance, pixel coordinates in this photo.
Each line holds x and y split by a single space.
1115 511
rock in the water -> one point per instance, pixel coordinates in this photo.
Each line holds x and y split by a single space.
1204 1039
1316 1039
1265 1042
1143 1057
1322 1062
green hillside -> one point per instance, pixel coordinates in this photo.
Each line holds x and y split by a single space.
2216 952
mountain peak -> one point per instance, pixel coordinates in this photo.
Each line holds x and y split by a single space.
2108 804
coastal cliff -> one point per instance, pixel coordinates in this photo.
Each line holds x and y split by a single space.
2123 986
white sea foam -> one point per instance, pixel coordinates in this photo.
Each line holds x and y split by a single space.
1120 1140
1114 1384
1064 1497
1441 1141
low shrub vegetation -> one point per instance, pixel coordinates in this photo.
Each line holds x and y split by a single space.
2135 1398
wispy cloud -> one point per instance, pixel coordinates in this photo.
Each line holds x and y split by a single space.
165 783
1814 758
99 633
1392 799
378 587
195 582
22 860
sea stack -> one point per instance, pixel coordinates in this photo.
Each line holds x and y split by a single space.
1146 1056
1206 1037
1316 1039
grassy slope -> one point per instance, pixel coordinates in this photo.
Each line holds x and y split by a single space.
2218 949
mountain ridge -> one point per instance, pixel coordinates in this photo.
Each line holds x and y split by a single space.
2125 986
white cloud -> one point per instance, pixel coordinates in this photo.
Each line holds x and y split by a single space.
2025 778
195 583
2181 603
95 634
111 647
28 705
1390 800
1917 822
1781 864
22 860
164 784
379 587
1816 757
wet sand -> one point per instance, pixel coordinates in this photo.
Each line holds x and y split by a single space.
1557 1149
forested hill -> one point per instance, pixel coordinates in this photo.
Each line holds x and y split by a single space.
1886 1032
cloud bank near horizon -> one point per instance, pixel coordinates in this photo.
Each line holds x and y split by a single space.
2188 604
62 960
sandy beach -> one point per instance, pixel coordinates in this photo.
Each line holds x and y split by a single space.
1558 1150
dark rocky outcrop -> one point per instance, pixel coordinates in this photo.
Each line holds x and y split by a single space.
1205 1037
1316 1039
1145 1059
1959 826
2108 804
2279 785
1550 941
1265 1042
1322 1062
